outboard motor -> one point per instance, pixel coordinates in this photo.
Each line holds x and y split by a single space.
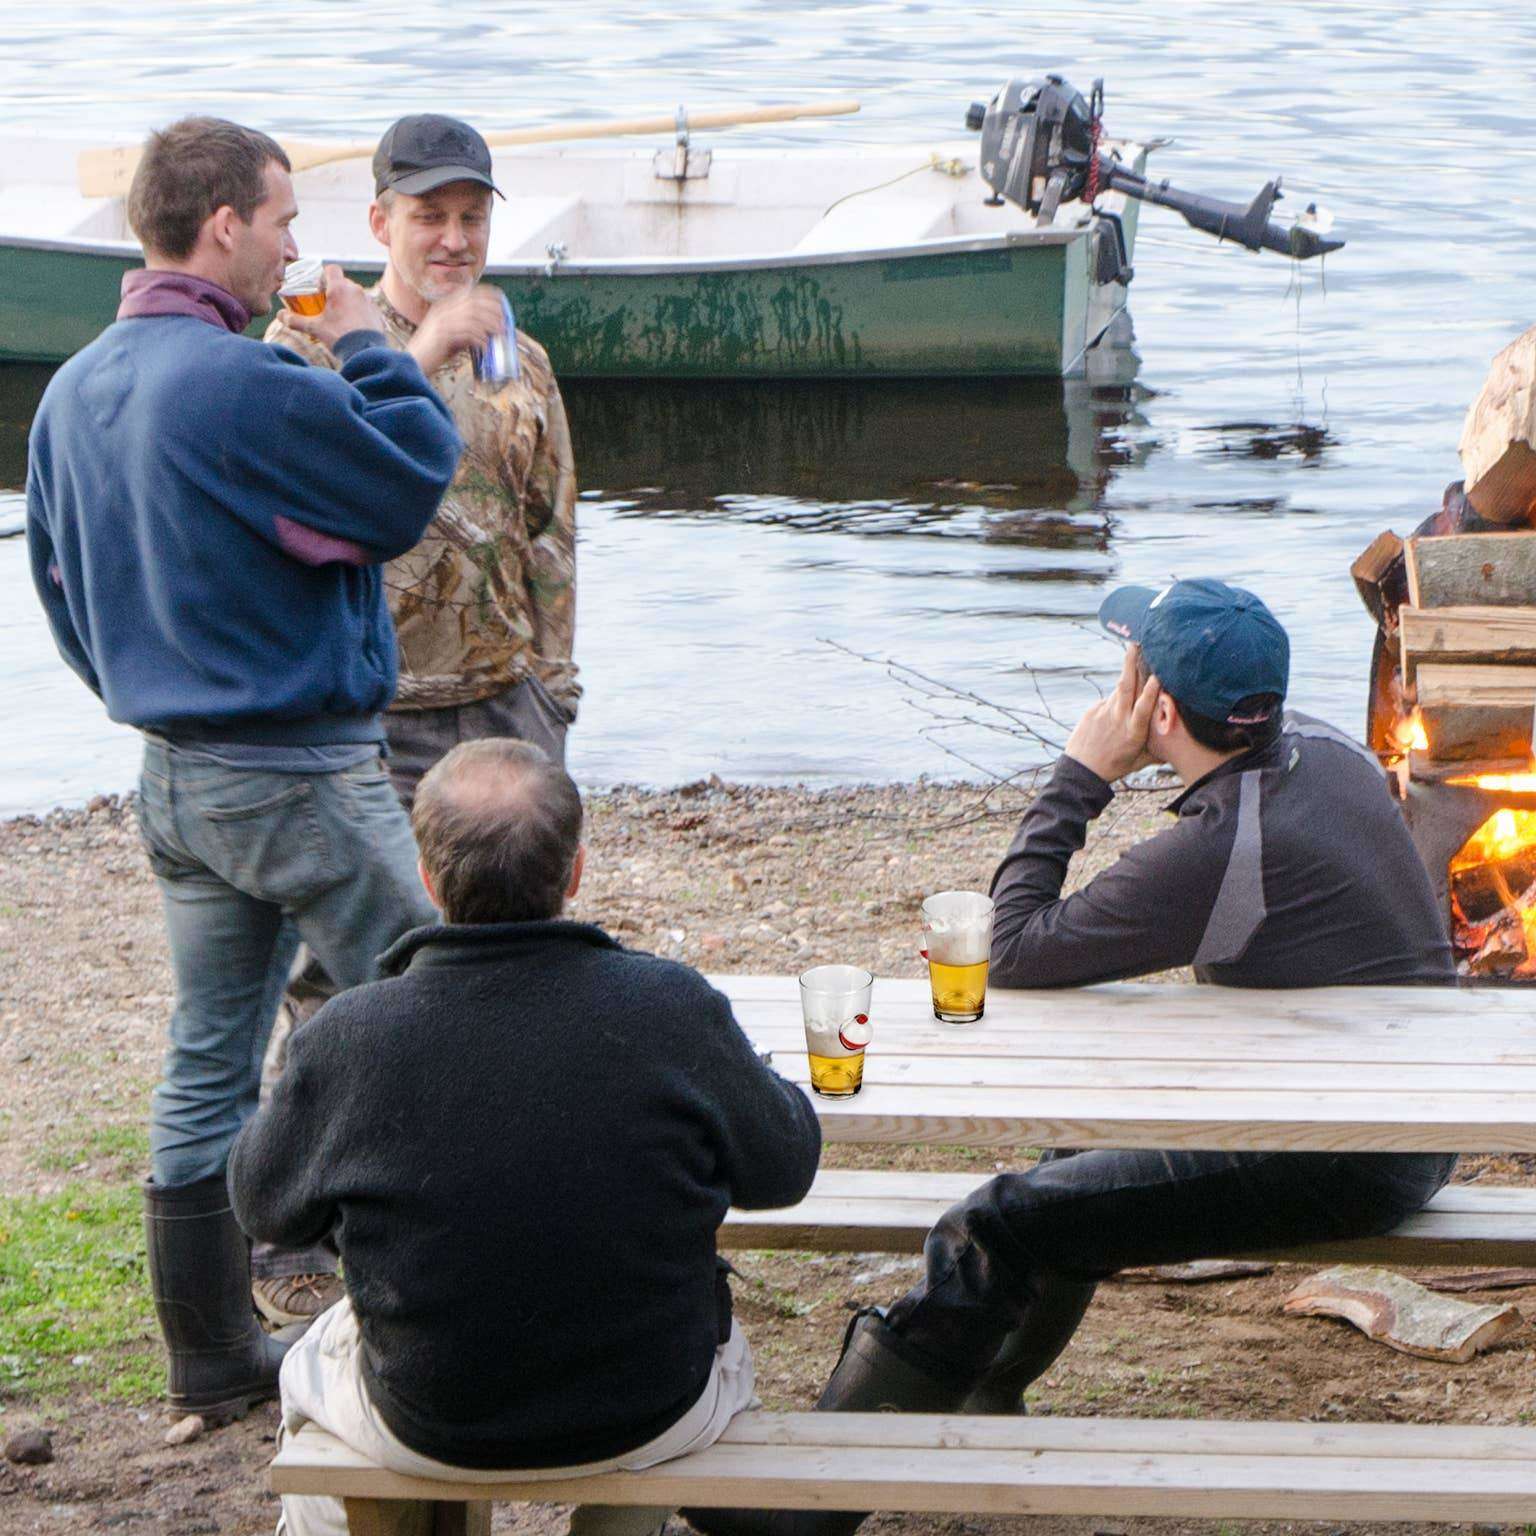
1040 148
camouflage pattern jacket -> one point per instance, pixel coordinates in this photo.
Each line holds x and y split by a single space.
489 594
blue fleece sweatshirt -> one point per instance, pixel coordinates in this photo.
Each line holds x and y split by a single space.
206 516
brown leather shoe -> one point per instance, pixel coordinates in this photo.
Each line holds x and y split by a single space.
286 1299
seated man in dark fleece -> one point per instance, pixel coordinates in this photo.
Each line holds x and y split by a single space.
1289 866
522 1142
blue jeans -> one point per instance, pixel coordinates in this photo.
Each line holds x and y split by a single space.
235 852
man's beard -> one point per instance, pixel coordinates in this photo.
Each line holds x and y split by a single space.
435 289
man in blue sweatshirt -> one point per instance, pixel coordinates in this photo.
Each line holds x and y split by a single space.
206 519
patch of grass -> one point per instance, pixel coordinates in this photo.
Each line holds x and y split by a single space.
75 1312
84 1142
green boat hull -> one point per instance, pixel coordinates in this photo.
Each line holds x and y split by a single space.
1021 309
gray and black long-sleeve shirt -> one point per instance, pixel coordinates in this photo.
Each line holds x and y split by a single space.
1289 866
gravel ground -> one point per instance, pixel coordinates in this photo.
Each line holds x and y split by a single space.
729 878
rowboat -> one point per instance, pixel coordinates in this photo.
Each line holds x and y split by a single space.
678 263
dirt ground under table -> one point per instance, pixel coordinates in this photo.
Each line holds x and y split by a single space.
728 878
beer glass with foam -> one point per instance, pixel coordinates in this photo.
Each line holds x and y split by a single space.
303 289
957 944
834 1000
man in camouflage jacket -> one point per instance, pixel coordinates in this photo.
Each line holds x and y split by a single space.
485 605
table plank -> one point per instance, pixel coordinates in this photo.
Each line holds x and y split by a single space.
1125 1045
1148 1004
1256 1120
903 1071
890 1042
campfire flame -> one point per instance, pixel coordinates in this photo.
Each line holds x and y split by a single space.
1493 890
1501 783
1409 734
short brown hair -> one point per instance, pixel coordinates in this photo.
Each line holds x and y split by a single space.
188 172
498 825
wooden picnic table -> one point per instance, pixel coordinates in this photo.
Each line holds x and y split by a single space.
1123 1065
1324 1069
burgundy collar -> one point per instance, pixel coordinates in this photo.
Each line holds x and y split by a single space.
149 291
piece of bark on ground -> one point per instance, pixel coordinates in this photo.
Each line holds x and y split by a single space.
1194 1272
1479 1279
1398 1312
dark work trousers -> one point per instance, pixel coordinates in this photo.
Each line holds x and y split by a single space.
417 739
1018 1259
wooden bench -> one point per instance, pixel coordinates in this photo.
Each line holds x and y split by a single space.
869 1211
933 1464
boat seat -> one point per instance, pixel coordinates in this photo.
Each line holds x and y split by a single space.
871 224
522 226
60 213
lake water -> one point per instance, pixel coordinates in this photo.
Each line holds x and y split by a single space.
732 539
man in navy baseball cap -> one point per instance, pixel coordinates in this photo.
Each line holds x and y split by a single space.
1289 865
1217 649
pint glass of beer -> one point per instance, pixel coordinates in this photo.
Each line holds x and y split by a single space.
834 1000
957 944
303 289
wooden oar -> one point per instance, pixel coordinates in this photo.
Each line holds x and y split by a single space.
109 172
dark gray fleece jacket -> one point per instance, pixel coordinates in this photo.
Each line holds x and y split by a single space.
1290 866
522 1142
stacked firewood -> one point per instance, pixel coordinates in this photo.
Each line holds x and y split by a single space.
1456 601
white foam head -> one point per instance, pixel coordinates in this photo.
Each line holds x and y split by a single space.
957 927
830 997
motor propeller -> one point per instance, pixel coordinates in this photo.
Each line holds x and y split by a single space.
1040 148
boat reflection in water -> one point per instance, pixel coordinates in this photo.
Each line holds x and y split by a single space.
1000 461
21 387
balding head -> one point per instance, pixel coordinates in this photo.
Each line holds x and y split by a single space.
499 828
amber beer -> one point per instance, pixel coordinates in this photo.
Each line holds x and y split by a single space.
959 991
836 1077
303 289
957 944
834 1000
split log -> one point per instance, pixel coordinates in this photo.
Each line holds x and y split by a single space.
1477 712
1498 440
1407 1317
1482 634
1380 577
1495 570
1484 890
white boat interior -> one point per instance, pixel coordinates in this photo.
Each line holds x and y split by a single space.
617 208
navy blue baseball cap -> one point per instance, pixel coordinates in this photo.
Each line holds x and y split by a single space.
1213 647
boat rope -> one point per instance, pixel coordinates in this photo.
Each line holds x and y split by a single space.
953 166
1095 131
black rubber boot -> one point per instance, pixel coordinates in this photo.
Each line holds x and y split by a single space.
200 1275
1027 1354
873 1375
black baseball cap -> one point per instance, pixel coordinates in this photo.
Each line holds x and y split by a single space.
1213 647
426 151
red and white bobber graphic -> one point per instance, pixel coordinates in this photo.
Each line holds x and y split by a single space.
856 1033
